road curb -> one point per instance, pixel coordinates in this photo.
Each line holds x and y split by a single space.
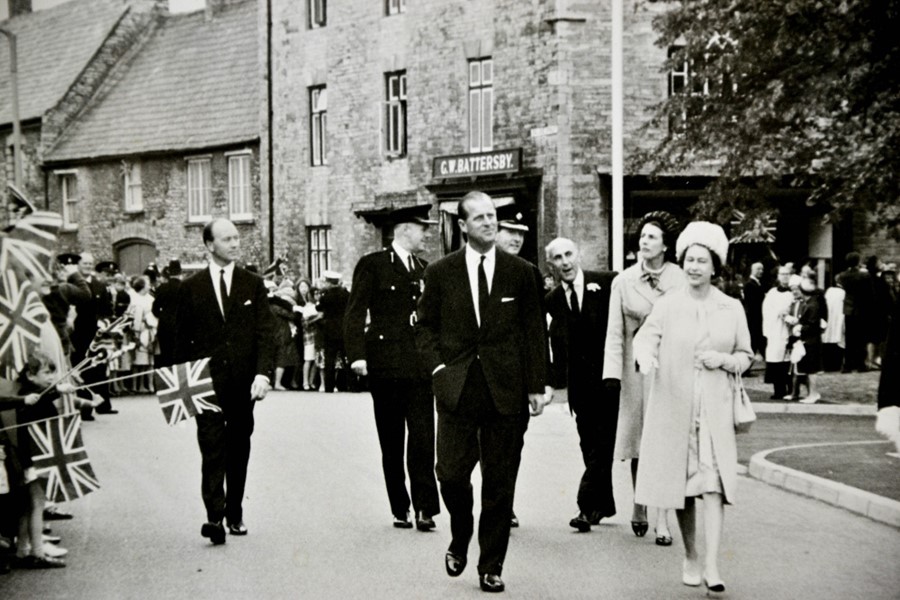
878 508
867 410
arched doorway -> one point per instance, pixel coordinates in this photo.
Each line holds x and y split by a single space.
133 255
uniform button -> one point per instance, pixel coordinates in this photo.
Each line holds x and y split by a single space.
380 337
393 288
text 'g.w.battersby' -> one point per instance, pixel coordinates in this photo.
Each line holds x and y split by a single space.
483 163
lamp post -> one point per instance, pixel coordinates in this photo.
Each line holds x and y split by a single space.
14 92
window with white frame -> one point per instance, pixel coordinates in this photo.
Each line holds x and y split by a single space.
319 250
198 184
395 7
318 124
239 198
683 81
481 105
134 195
68 186
317 13
395 114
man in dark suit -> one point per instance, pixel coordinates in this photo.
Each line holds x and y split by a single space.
164 305
481 333
89 313
387 286
753 299
332 305
859 303
223 314
579 310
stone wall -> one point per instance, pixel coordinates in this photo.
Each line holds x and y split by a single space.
103 223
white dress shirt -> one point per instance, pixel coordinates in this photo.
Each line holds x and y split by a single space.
473 259
402 254
214 271
578 285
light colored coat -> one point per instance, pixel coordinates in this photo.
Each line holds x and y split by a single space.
775 306
631 300
668 339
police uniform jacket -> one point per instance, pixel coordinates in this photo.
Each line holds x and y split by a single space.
384 289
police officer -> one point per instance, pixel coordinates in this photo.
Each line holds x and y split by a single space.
387 286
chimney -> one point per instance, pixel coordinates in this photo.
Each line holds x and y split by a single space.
19 7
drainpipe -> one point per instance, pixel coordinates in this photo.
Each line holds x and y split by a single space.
271 161
618 212
14 90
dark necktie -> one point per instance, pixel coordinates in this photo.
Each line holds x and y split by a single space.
223 291
573 301
409 263
482 290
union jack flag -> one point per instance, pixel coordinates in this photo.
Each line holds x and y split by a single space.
30 246
21 316
184 390
60 454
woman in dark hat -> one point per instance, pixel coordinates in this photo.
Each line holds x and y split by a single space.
633 294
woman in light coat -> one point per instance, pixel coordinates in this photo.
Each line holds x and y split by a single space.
696 339
633 294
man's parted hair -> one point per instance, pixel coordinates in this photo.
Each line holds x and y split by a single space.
556 242
461 211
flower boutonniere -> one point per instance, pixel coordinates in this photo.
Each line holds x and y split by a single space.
593 287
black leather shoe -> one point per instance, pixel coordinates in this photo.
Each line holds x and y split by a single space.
214 531
237 528
110 411
424 522
455 564
582 522
402 521
491 583
88 417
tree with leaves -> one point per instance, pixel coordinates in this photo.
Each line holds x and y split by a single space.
803 93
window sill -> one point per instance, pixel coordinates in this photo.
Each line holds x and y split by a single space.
198 222
133 212
69 228
395 157
243 219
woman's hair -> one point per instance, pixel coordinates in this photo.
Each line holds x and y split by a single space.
716 261
669 227
138 283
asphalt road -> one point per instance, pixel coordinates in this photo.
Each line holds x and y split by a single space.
320 525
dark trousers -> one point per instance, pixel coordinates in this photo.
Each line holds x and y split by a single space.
475 432
778 374
855 342
404 417
224 440
595 418
332 350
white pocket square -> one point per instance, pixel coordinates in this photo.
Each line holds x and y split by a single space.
506 299
248 302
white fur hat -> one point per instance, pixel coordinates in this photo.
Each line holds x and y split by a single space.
708 235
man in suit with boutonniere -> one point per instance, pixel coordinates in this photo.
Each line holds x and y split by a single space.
222 313
579 311
482 336
379 335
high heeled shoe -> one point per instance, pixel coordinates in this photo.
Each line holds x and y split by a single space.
640 528
714 589
688 578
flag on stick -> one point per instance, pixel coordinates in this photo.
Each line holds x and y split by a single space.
184 390
30 245
21 316
60 455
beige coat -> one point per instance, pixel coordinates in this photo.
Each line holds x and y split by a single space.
668 337
631 300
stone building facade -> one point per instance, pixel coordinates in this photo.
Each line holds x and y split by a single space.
551 102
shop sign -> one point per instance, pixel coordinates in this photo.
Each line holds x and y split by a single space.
482 163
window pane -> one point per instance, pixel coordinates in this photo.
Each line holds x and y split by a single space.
487 113
403 86
324 125
487 72
474 73
474 120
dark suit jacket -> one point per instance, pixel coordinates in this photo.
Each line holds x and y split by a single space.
383 287
241 344
889 385
98 306
510 343
860 295
333 305
753 299
577 345
164 306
